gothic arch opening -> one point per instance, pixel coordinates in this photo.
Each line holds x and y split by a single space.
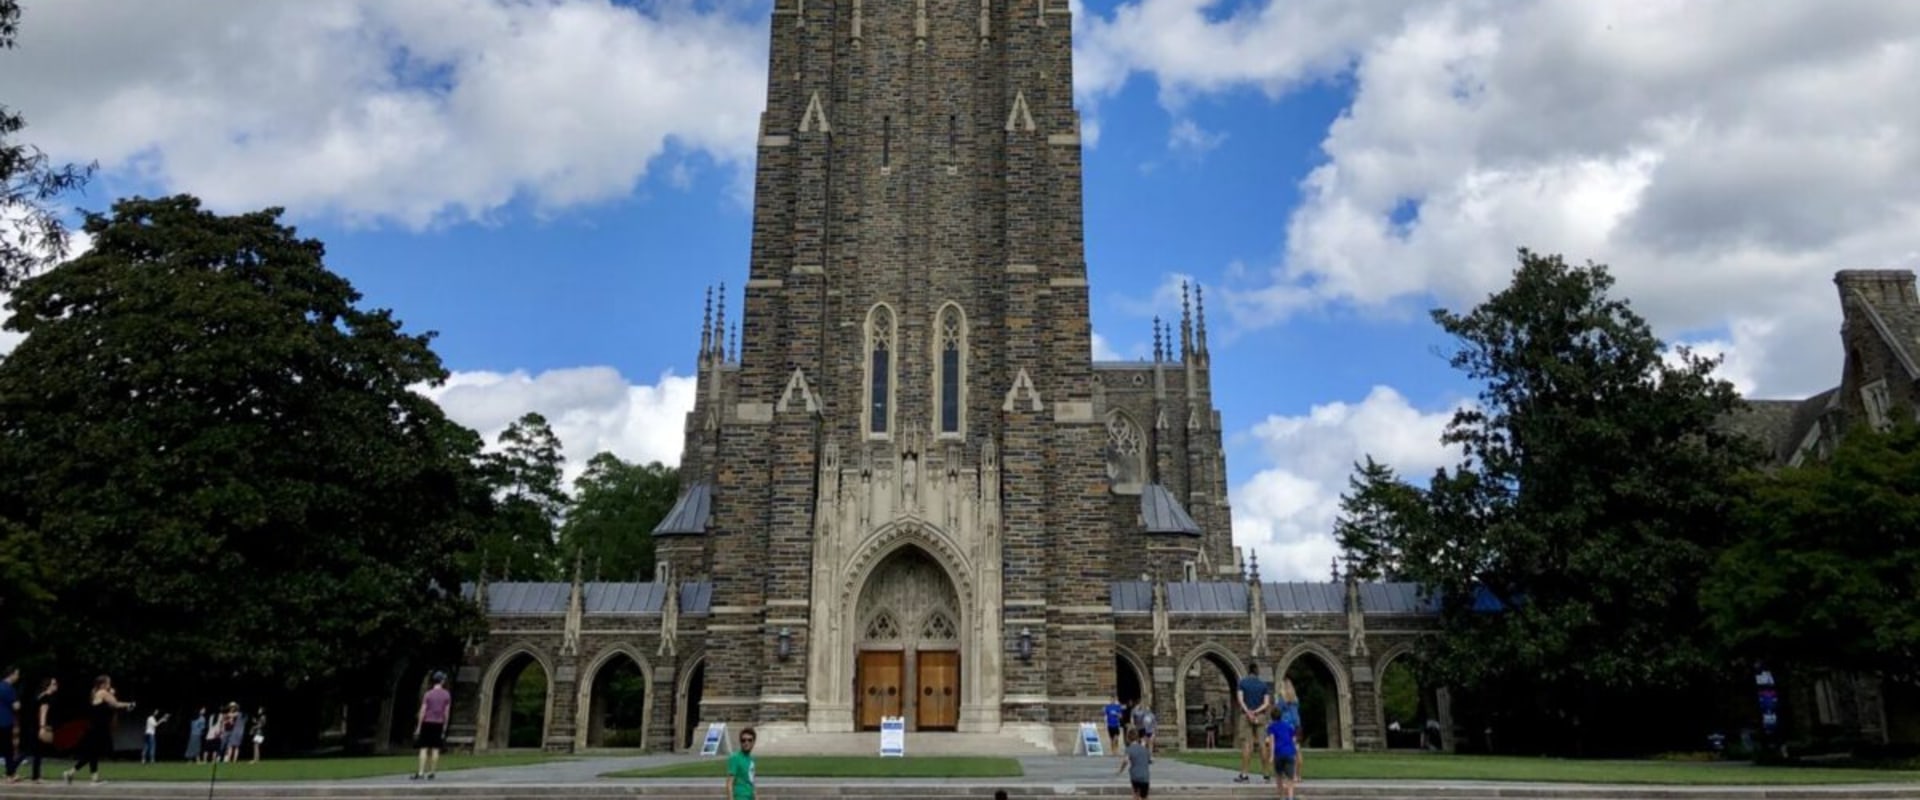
1129 678
691 691
907 644
1409 713
1318 688
615 703
520 698
1206 700
950 371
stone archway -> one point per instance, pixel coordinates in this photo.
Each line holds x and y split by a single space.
516 701
615 702
1131 680
1207 678
1409 710
693 688
907 648
1326 699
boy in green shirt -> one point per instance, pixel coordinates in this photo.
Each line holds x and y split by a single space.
740 768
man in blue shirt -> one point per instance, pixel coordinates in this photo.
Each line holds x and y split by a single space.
1280 743
1255 701
1116 714
9 718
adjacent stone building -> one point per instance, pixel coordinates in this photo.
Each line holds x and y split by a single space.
909 491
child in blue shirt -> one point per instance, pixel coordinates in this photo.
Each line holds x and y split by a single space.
1280 744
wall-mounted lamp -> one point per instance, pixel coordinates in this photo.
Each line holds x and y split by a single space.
1026 644
786 643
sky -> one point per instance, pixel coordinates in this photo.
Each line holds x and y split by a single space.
550 186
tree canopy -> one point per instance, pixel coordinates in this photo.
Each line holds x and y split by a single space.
524 474
215 457
1827 573
29 184
615 508
1595 492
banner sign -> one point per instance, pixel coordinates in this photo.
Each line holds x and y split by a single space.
716 739
1090 742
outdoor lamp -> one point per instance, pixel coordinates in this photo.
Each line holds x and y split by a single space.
786 643
1026 644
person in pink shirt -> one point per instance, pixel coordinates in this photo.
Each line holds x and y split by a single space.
430 729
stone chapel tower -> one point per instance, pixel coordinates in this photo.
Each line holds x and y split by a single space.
910 490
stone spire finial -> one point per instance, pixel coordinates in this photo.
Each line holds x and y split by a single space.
706 324
1335 561
1199 320
720 323
1186 323
733 344
1158 354
1253 572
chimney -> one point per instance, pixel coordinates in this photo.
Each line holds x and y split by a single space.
1883 288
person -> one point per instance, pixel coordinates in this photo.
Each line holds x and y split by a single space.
196 734
1210 723
1280 743
1115 715
216 732
1147 723
9 723
259 731
236 732
1137 766
41 744
1290 711
740 771
1255 701
98 741
430 727
154 721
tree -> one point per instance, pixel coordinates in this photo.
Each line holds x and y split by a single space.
615 508
525 474
1595 493
29 183
1827 575
1375 515
217 456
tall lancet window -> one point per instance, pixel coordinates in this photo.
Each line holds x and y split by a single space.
952 380
880 338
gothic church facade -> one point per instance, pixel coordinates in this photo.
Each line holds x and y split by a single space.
908 490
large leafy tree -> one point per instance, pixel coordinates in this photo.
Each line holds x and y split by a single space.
1827 576
615 507
1595 493
524 471
1376 514
29 184
215 452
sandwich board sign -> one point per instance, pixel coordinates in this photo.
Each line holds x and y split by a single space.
716 739
1090 742
893 737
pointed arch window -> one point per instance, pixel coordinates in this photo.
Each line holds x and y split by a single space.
1126 454
880 364
950 383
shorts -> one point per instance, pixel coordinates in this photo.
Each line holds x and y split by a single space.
1140 788
1248 730
433 736
1113 732
1284 767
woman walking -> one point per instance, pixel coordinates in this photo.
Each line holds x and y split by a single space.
196 734
216 731
98 742
40 744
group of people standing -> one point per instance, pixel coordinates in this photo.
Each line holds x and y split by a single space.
1275 723
219 736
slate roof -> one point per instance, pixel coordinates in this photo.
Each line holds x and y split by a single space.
1298 597
690 513
549 598
1161 513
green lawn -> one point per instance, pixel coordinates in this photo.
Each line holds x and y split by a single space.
295 769
841 767
1430 766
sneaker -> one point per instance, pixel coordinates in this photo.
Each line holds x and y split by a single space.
1240 778
67 776
416 776
429 776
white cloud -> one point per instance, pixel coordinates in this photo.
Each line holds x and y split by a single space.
1723 157
414 112
78 243
591 410
1285 512
1103 349
1189 138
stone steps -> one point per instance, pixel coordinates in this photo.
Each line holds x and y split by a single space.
918 744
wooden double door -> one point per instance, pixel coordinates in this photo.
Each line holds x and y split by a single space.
881 688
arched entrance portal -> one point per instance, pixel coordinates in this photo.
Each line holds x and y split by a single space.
1409 711
1206 695
907 655
1319 693
616 703
690 693
519 704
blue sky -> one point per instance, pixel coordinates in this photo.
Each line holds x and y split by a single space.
552 185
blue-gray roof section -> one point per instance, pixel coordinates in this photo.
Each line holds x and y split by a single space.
1297 597
1132 597
690 513
1212 597
1302 597
549 598
1161 513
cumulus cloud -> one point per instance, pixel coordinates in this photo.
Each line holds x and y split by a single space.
1285 512
1187 137
415 112
591 410
1723 158
1103 349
